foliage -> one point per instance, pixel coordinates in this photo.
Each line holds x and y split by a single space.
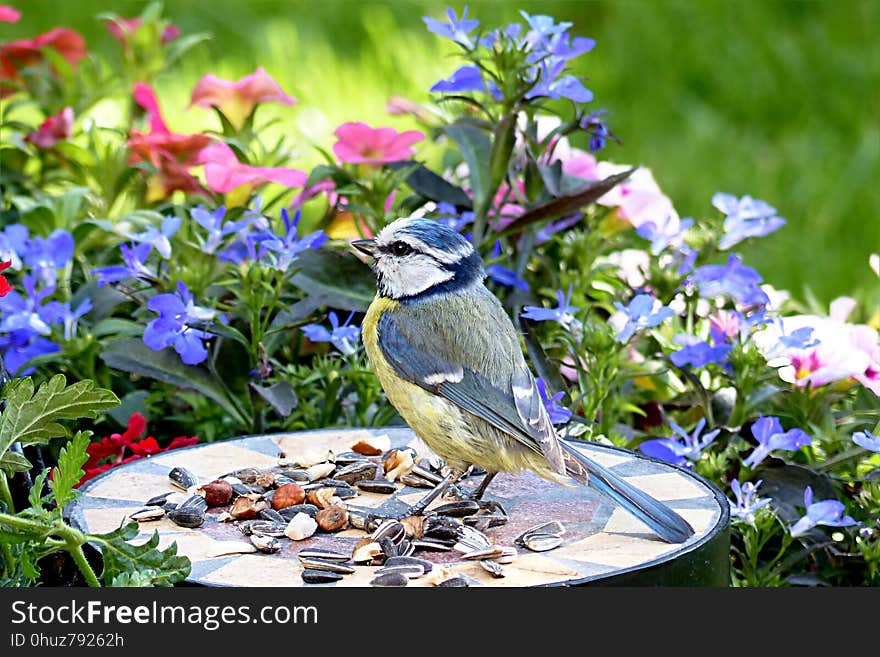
206 279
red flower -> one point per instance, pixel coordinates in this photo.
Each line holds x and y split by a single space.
171 153
54 129
5 287
223 171
360 144
237 99
16 55
123 28
111 450
9 14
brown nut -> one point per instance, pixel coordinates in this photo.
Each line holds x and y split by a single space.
247 507
288 495
265 479
398 463
332 519
372 445
323 498
216 493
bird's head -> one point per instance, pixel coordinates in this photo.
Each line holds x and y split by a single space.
416 256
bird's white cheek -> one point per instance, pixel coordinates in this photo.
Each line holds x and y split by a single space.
410 278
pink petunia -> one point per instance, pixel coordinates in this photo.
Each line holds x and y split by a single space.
23 53
57 127
123 28
358 143
238 99
223 171
171 153
839 351
581 164
9 14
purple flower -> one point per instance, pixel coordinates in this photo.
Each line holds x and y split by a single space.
644 311
563 313
26 313
134 267
159 237
826 512
598 129
171 328
552 227
344 338
285 249
543 30
464 78
47 255
18 348
698 353
456 29
683 448
733 279
746 217
747 501
867 440
770 436
558 413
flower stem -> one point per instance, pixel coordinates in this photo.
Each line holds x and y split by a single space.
83 564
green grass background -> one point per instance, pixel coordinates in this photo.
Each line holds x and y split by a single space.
774 99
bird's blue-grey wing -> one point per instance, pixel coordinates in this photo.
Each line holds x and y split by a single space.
470 362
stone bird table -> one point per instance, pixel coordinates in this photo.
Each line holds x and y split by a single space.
602 544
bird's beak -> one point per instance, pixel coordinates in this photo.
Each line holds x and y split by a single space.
367 247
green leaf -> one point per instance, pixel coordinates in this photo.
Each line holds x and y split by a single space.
428 184
35 495
476 149
503 140
545 369
328 172
296 313
117 327
120 557
33 418
132 355
68 472
343 281
280 396
12 462
133 402
566 205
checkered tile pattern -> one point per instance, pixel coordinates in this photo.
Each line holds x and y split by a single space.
600 540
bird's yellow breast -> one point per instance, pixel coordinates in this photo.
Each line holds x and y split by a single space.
453 434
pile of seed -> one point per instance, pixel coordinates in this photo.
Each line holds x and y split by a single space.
296 500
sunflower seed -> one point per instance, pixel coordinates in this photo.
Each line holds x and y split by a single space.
289 512
494 568
190 517
273 516
390 579
148 514
432 545
539 542
265 543
182 478
425 565
376 486
478 555
357 471
313 563
411 572
456 509
326 555
310 576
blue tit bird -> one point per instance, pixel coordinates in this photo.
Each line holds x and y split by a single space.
450 361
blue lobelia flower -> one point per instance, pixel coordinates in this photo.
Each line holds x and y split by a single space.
13 241
563 313
558 413
543 31
216 226
732 279
19 347
867 440
683 448
57 312
598 129
746 217
456 29
134 257
449 216
344 338
159 238
698 353
26 313
747 501
770 436
826 512
551 85
283 250
503 275
464 78
664 233
643 311
47 255
172 327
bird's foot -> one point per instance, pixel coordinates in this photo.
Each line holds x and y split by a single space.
373 520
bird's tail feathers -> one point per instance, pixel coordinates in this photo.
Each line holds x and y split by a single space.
665 522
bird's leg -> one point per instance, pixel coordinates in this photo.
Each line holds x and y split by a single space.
419 507
477 494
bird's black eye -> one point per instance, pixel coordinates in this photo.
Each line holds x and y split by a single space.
400 249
